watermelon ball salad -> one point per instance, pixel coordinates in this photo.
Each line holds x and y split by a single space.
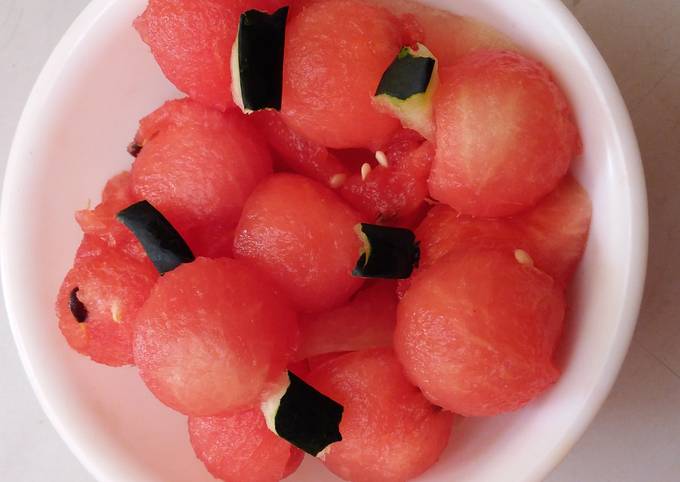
358 225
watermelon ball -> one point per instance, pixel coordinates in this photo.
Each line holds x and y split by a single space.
397 188
332 68
197 166
101 222
390 432
191 41
366 321
240 447
476 332
301 234
99 299
295 153
505 134
211 335
553 233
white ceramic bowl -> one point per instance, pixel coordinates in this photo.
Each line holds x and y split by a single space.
72 137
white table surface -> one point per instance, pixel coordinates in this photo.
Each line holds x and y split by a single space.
636 436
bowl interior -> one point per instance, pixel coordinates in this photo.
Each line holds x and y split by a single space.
80 118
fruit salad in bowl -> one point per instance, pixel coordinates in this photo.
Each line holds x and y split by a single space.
336 238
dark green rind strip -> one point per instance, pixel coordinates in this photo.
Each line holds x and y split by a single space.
261 39
161 241
406 76
307 418
393 255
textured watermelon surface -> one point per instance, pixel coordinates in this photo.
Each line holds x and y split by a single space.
553 233
301 234
390 432
477 331
197 166
240 447
100 222
191 40
392 193
505 134
366 321
112 286
295 153
211 335
330 76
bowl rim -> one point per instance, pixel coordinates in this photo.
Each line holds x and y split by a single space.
624 139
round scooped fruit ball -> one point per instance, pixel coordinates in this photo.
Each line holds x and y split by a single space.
211 335
476 331
505 134
191 41
301 234
99 299
335 55
197 166
390 432
240 447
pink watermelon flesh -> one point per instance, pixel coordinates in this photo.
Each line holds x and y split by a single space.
554 233
316 361
197 166
300 368
295 153
112 286
213 241
397 191
476 332
211 335
367 321
389 194
240 447
301 234
101 222
390 432
332 68
558 228
192 40
505 135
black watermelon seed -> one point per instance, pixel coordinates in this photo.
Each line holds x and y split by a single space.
78 309
134 149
